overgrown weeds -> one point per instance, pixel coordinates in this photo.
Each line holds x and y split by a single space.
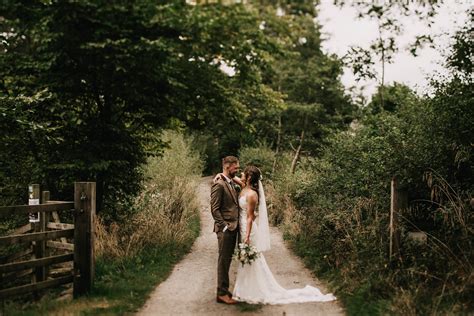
349 247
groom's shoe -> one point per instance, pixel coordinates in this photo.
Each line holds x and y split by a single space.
226 299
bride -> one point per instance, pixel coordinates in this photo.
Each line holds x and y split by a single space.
255 282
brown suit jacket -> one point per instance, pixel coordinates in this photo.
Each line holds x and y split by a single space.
224 206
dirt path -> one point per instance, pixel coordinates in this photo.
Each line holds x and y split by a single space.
191 287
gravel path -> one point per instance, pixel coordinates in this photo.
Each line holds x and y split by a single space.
191 287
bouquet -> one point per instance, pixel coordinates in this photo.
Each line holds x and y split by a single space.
246 253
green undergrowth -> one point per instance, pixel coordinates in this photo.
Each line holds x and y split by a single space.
357 300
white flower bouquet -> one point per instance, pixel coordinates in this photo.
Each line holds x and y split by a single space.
246 254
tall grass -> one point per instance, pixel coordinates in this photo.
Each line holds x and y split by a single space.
163 208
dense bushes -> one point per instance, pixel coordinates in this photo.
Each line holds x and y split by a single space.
336 208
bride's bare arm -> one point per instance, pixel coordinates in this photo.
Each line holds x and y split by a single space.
251 203
221 176
238 181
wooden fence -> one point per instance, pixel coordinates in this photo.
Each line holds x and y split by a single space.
51 252
398 202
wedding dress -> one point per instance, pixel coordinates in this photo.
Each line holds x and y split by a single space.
255 283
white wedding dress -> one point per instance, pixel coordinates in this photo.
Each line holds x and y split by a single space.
255 283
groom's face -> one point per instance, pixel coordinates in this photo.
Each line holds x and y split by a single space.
234 169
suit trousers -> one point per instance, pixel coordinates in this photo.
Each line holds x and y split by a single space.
226 242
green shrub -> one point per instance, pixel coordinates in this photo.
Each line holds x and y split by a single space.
261 156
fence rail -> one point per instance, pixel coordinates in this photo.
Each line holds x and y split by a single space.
36 262
51 243
16 239
50 207
35 286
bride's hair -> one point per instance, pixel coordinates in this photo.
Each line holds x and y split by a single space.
252 175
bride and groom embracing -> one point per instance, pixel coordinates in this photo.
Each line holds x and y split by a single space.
243 217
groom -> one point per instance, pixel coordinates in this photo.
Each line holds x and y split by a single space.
225 211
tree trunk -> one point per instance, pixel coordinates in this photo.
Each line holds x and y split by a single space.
382 59
277 150
297 153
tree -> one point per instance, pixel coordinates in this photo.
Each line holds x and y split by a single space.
119 72
385 46
308 78
106 67
460 60
227 106
395 96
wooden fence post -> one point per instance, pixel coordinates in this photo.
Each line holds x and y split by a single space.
38 225
44 220
398 201
84 217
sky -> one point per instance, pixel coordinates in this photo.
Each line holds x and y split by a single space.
342 29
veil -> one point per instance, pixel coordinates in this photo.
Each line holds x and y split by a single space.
263 239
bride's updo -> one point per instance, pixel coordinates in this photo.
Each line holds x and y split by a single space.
252 176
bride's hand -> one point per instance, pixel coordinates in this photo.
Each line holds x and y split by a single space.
239 180
217 177
247 240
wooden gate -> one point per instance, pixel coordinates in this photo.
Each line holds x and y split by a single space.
46 242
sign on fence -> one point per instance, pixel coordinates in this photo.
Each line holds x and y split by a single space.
34 199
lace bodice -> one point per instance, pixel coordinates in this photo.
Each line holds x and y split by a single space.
243 219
